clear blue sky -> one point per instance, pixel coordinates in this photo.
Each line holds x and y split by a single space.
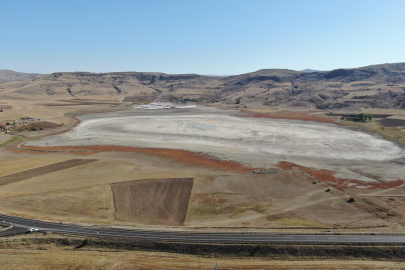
205 37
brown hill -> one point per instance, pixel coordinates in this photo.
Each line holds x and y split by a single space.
13 76
377 86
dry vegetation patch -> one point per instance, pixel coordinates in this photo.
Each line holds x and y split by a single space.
278 200
43 170
160 202
39 125
88 203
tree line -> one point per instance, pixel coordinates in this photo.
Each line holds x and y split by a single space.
358 117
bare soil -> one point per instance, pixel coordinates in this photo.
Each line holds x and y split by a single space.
5 180
157 202
389 122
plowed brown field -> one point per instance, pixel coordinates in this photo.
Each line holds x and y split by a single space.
157 202
8 179
390 122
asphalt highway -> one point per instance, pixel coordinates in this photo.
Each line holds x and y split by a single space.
205 237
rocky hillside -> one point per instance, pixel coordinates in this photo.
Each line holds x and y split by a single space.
378 86
13 76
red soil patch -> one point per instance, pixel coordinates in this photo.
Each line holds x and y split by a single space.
189 158
339 183
293 116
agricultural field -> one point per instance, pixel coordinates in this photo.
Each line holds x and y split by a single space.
392 122
156 202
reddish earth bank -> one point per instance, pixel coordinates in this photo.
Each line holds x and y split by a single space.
189 158
339 183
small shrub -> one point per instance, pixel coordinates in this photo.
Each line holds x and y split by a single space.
85 243
351 199
328 190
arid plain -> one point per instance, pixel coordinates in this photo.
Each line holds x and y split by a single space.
224 168
310 169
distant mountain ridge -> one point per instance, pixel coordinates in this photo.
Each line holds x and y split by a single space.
13 76
376 86
310 70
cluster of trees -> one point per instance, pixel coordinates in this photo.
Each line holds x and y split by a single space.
358 117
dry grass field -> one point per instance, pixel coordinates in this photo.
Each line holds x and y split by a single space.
53 252
157 202
62 259
277 200
16 177
90 204
94 260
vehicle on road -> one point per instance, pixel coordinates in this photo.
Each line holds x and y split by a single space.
30 230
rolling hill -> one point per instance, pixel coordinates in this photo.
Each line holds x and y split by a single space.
377 86
13 76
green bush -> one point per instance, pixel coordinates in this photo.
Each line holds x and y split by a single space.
360 117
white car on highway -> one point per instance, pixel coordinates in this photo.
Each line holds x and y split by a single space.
30 230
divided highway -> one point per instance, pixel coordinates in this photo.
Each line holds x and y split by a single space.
207 237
